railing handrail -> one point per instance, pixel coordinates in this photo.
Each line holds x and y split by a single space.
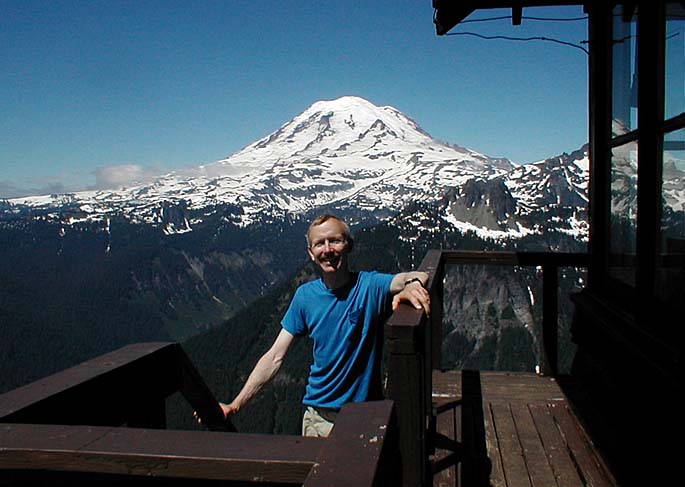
126 386
140 452
67 423
361 451
557 259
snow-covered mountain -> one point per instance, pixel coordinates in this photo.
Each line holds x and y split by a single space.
346 152
550 193
624 185
368 163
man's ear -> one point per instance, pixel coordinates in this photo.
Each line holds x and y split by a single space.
311 255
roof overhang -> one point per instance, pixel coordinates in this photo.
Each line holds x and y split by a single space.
449 13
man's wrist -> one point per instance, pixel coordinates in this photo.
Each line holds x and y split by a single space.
412 280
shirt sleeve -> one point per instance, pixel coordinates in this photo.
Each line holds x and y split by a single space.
381 283
294 320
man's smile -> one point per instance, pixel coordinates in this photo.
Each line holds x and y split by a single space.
332 260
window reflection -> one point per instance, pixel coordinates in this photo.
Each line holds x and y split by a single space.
624 70
675 59
671 275
623 230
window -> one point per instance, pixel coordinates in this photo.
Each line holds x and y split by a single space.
670 275
638 97
675 60
624 154
670 271
624 81
623 228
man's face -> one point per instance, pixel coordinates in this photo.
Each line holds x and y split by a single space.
328 247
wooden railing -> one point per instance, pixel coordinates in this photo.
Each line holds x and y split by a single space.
103 418
100 420
413 345
125 387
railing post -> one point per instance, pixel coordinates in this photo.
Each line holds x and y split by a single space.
434 266
413 349
406 386
361 450
550 333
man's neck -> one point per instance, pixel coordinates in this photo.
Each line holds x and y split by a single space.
337 279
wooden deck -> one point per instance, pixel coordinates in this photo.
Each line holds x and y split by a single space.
510 429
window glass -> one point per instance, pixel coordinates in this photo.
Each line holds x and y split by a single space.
623 229
670 276
624 81
675 60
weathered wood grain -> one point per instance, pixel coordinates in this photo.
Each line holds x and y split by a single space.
362 449
565 472
532 437
157 453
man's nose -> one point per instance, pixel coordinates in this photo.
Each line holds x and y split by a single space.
327 245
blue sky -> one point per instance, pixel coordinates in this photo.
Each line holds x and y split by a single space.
95 92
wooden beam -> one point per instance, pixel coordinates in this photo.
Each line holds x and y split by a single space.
127 386
449 13
156 453
550 320
516 14
91 392
362 449
600 28
651 25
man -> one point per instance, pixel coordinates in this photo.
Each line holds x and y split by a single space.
343 313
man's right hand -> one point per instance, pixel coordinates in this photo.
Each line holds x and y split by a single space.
229 409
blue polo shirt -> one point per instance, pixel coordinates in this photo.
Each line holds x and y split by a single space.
346 326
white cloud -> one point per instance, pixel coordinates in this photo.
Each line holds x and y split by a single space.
113 176
9 189
120 175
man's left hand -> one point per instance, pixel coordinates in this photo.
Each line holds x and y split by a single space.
416 295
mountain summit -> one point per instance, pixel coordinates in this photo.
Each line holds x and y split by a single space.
347 133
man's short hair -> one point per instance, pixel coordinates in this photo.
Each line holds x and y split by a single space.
319 220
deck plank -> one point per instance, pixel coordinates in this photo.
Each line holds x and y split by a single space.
508 443
446 449
539 469
565 471
590 464
497 478
528 430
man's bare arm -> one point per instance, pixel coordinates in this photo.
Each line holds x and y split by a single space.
265 370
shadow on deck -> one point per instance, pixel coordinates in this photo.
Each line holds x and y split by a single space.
510 429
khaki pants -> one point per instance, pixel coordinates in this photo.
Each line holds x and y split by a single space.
318 421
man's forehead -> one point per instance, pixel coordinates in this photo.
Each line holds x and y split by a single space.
329 227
